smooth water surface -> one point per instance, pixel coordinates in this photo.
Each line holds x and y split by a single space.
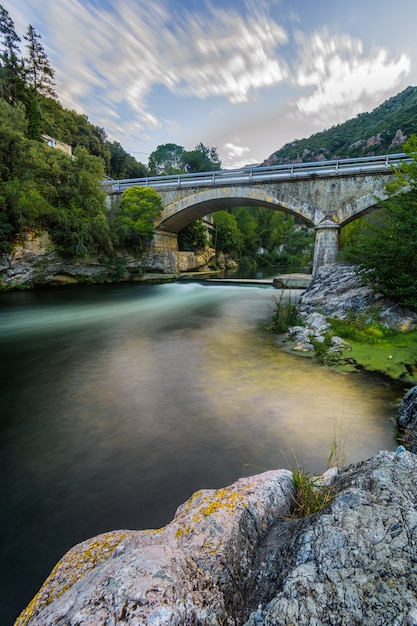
118 402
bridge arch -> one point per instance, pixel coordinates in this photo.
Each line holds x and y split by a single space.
181 212
358 208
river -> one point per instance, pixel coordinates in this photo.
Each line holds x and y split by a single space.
119 401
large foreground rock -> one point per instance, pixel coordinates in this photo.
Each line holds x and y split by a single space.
234 557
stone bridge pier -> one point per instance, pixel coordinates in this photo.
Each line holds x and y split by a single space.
326 246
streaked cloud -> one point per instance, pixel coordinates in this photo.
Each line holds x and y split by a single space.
238 156
154 73
342 77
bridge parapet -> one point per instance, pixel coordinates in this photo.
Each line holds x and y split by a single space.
261 174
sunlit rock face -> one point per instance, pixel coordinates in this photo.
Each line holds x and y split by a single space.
236 556
338 290
195 570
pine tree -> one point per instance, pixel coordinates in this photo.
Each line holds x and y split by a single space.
39 78
39 73
11 66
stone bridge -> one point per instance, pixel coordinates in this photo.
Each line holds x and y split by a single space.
327 195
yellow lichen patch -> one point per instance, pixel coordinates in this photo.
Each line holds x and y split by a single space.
182 531
74 565
187 505
223 499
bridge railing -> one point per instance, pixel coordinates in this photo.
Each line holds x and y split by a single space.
257 174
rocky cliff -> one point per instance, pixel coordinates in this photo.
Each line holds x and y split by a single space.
240 555
34 261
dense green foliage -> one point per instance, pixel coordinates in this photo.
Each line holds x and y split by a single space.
139 207
365 135
193 237
384 247
45 188
227 236
170 158
263 237
385 250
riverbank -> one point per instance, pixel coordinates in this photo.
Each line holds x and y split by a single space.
35 262
350 326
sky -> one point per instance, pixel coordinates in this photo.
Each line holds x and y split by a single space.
246 76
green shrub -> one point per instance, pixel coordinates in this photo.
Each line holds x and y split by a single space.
285 314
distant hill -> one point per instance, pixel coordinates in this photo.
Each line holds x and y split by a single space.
382 131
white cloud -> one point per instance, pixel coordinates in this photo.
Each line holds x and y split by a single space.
343 79
236 156
119 55
112 60
227 55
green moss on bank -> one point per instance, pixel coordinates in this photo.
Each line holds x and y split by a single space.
385 351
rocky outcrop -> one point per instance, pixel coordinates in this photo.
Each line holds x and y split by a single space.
35 261
407 420
236 556
399 139
338 290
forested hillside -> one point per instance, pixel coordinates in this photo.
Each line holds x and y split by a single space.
382 131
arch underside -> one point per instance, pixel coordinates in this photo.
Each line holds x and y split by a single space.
182 212
179 214
358 208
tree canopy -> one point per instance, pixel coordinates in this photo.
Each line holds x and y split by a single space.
139 208
384 248
170 158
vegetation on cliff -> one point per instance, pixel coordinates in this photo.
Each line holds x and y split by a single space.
384 130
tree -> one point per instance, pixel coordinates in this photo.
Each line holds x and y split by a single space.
193 236
123 164
170 158
385 249
248 225
201 159
11 66
138 210
166 159
38 71
227 236
39 77
273 227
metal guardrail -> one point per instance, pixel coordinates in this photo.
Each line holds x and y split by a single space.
248 175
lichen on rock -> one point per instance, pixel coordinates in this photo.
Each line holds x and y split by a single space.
235 556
